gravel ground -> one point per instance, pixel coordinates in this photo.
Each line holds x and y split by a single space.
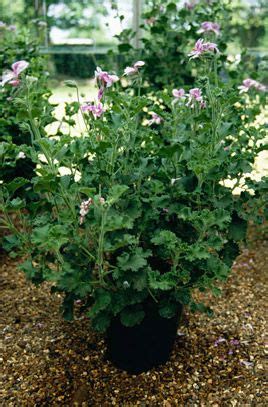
216 361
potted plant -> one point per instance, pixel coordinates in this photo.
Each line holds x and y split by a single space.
146 211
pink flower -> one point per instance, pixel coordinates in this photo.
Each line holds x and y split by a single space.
211 46
19 66
251 83
132 70
12 76
156 119
97 110
104 78
2 25
84 209
178 93
195 95
201 47
207 26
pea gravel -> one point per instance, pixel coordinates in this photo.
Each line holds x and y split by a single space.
216 361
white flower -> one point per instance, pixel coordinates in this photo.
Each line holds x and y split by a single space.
21 155
173 180
132 70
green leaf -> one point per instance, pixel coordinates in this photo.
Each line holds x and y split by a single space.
15 184
168 309
222 217
67 307
28 268
115 221
163 282
87 191
50 237
201 308
197 251
10 242
101 322
131 317
102 300
116 192
17 203
185 213
238 229
171 7
140 281
124 48
133 261
217 268
229 252
166 238
40 234
70 84
118 241
216 291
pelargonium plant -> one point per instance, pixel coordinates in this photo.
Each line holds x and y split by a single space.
17 45
146 212
166 29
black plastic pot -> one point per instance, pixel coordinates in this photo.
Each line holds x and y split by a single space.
144 346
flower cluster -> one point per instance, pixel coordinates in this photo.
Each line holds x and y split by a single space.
105 79
12 76
201 47
207 26
251 83
96 109
132 70
156 119
194 95
84 208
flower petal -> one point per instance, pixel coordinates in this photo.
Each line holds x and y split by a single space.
19 66
7 76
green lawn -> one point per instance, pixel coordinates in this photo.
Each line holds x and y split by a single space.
62 94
